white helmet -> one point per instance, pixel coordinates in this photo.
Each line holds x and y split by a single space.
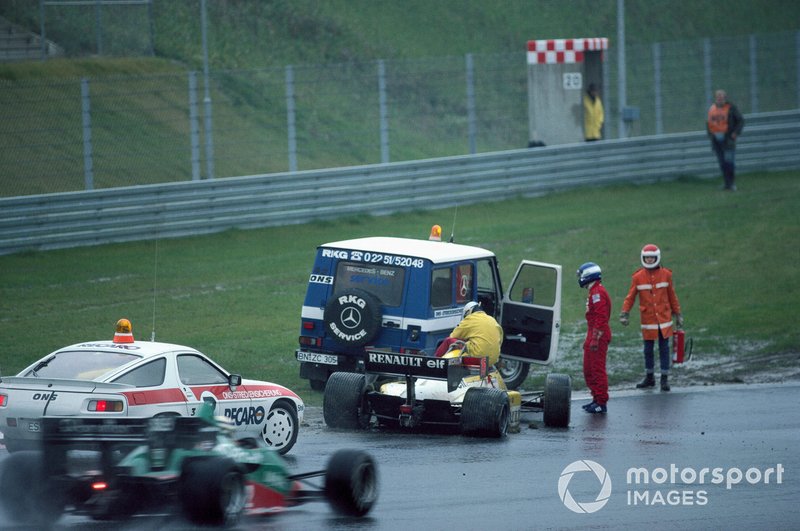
651 250
470 307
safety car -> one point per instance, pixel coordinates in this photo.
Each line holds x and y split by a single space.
406 295
455 391
113 468
123 377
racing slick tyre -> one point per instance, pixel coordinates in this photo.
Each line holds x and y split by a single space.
27 497
351 482
353 317
513 372
281 426
344 404
485 412
557 400
212 491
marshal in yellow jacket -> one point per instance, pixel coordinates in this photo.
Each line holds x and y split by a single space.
482 335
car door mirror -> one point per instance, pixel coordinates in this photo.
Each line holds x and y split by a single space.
234 381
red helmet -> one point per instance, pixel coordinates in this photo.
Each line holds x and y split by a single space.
651 250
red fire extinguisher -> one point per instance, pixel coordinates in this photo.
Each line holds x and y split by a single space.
681 348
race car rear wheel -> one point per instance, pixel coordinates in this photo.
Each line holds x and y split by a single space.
513 372
557 400
281 426
485 412
212 491
351 482
344 404
27 498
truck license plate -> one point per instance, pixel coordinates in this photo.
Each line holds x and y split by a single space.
313 357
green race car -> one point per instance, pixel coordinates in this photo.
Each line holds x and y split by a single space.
114 468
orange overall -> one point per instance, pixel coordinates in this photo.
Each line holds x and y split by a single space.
657 301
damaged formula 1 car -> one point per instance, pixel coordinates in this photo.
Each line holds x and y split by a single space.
110 469
454 391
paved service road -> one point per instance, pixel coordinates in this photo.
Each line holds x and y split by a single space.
713 457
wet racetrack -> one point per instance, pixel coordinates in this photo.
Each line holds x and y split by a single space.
715 457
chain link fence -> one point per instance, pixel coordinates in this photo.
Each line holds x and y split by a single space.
102 132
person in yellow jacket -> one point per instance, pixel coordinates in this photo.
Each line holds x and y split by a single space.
593 115
659 311
481 333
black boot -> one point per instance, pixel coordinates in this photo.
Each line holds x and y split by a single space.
649 381
664 383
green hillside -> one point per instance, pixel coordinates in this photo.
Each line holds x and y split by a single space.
258 34
140 109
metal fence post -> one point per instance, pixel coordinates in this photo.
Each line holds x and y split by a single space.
383 112
207 96
657 87
471 128
151 27
290 123
707 70
98 26
88 169
194 126
622 80
41 29
753 74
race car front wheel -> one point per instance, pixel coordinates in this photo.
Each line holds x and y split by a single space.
212 491
351 482
557 400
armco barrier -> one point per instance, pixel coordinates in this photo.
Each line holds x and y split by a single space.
51 221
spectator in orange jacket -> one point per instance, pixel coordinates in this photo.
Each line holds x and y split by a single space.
659 310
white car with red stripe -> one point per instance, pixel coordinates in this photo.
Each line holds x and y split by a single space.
128 378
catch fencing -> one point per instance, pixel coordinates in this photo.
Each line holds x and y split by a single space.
52 221
105 132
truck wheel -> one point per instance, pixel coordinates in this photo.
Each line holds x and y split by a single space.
485 412
27 497
212 491
513 372
281 426
351 482
353 317
557 400
344 404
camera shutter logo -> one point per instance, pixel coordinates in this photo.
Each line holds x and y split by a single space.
584 465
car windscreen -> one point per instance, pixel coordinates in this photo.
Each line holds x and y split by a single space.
384 282
80 364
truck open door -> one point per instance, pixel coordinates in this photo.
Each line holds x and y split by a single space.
531 314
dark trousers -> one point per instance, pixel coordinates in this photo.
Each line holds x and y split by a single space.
726 157
663 353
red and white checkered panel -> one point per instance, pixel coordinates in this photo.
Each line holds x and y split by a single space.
555 51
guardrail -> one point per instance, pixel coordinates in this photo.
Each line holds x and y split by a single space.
51 221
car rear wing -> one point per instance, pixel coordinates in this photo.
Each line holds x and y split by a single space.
61 384
161 435
383 362
165 432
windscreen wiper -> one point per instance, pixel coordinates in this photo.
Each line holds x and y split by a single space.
42 364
